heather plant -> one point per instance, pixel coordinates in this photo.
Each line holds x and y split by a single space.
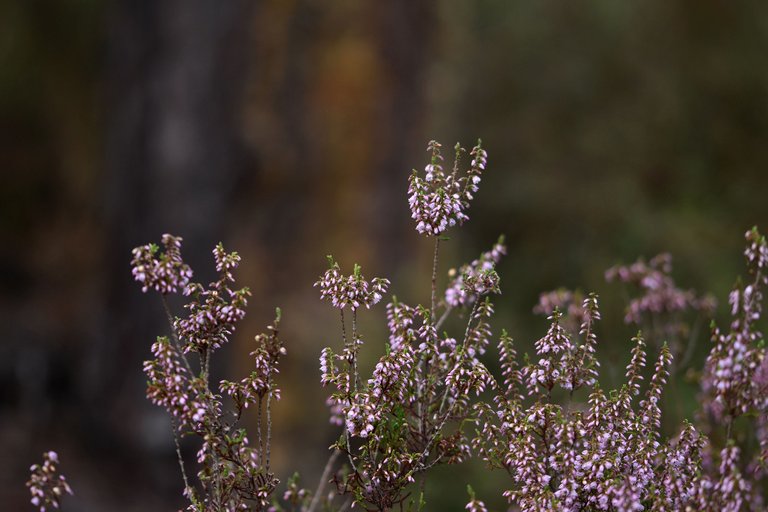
407 417
601 457
565 443
234 471
609 454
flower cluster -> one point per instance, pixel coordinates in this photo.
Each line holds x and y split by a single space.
475 278
213 311
439 200
660 307
169 385
353 291
164 272
602 458
562 361
46 485
261 381
611 455
474 505
568 302
297 497
404 413
734 374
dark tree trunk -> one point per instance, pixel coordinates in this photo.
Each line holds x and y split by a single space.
174 156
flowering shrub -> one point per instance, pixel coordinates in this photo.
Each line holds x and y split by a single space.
406 418
430 399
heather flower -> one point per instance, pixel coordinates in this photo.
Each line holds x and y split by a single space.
260 382
169 385
563 361
233 474
46 485
474 505
213 312
439 200
601 458
730 493
164 272
660 308
402 411
510 371
400 321
757 254
650 405
680 478
353 291
556 340
462 288
295 495
733 380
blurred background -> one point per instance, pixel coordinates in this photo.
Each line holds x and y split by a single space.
287 129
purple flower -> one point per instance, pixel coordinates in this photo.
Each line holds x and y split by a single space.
46 485
213 311
169 385
475 279
439 200
353 291
164 272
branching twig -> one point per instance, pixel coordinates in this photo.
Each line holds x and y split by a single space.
323 481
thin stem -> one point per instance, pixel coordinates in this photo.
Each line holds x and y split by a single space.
434 278
175 336
443 317
323 481
349 447
460 355
207 364
354 348
461 352
421 399
258 431
343 328
181 460
269 421
349 391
